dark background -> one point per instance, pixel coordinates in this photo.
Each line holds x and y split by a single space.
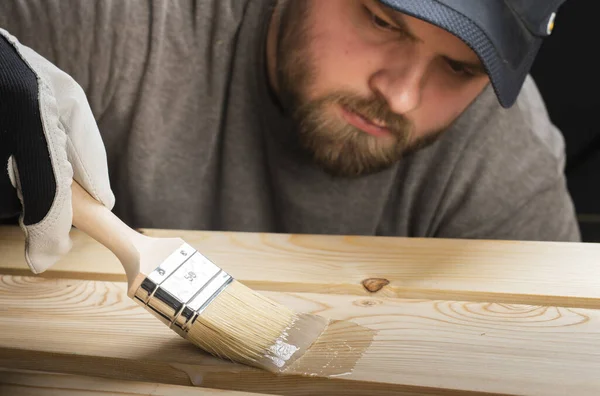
567 74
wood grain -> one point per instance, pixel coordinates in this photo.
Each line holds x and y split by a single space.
538 273
31 383
421 346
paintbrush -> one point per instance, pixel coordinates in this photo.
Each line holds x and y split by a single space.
197 299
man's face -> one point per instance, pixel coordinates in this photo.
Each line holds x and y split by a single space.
366 84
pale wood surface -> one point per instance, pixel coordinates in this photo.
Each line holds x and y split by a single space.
29 383
562 274
453 316
422 346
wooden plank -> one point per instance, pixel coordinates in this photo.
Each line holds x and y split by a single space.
540 273
420 346
31 383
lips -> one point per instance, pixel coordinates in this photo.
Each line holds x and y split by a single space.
372 127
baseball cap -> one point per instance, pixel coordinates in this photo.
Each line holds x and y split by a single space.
505 34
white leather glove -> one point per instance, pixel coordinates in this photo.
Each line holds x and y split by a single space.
48 137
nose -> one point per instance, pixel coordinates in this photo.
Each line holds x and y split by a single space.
399 85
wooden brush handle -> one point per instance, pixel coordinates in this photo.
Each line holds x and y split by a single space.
97 221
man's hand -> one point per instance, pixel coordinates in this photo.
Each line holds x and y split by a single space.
48 137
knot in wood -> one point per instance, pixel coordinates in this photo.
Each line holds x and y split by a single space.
366 303
375 284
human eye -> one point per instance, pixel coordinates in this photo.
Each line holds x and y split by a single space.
379 22
460 69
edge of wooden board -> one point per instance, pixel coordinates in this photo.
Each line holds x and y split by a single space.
242 381
34 383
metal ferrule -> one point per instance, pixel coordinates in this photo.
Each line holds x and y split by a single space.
180 288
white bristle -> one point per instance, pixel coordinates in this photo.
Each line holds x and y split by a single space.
241 325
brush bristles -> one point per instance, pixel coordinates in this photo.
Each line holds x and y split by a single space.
241 325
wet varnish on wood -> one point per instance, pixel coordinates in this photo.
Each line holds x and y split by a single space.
447 316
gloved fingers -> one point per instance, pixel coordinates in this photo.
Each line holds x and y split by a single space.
56 139
85 148
38 167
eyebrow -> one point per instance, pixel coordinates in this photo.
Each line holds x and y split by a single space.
398 19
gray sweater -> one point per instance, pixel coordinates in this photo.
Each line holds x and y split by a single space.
195 141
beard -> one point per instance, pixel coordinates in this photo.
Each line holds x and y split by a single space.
339 148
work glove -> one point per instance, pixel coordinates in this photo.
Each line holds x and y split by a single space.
48 137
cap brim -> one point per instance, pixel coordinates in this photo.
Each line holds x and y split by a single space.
506 78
